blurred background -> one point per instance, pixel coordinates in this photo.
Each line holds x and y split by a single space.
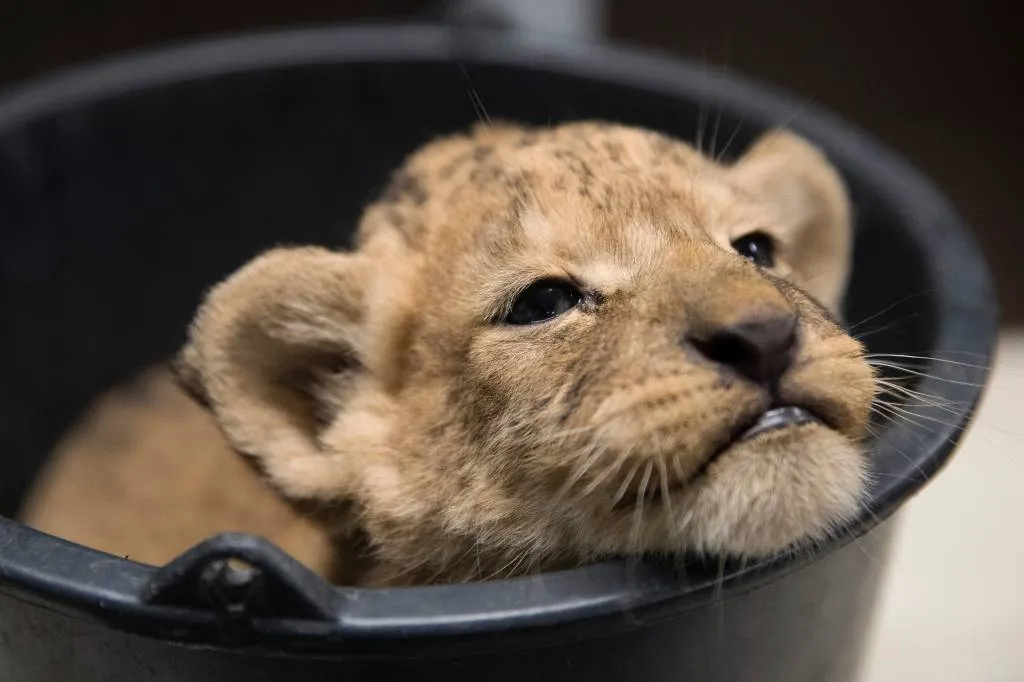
939 84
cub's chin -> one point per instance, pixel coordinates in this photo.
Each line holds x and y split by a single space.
775 489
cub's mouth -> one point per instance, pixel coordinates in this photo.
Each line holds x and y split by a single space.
775 418
772 419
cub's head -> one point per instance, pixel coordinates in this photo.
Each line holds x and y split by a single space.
554 345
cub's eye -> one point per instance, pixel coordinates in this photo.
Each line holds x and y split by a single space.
543 300
758 247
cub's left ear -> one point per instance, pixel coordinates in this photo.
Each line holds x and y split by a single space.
262 343
811 203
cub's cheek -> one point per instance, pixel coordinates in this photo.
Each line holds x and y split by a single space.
524 372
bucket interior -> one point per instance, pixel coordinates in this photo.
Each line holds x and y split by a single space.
118 212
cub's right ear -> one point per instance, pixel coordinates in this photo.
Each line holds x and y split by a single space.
812 208
259 347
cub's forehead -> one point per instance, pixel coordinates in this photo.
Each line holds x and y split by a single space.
577 190
591 161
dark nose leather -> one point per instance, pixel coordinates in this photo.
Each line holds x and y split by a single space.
760 348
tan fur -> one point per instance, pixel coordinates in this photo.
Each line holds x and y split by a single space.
375 390
147 474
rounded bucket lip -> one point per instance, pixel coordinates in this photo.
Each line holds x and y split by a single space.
612 592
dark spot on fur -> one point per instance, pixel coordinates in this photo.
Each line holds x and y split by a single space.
660 146
482 153
490 174
524 177
576 164
477 406
607 197
527 140
438 431
514 212
574 396
543 402
395 218
404 186
410 230
448 170
614 151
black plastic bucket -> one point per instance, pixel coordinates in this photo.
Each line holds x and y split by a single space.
129 187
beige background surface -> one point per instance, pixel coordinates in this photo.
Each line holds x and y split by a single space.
953 605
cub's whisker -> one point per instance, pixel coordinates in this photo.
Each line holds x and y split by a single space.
926 375
924 358
664 479
850 328
927 400
639 506
621 492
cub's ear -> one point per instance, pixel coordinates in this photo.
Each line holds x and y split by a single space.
261 345
810 201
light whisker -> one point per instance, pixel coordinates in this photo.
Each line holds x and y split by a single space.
664 481
625 485
875 363
925 358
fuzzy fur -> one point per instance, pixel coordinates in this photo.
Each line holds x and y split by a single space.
374 390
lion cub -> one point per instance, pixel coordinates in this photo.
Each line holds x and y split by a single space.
550 346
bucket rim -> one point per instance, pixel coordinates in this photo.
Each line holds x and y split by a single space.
47 570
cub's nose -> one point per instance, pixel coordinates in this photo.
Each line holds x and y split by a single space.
759 347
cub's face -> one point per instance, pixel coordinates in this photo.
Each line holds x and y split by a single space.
555 345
